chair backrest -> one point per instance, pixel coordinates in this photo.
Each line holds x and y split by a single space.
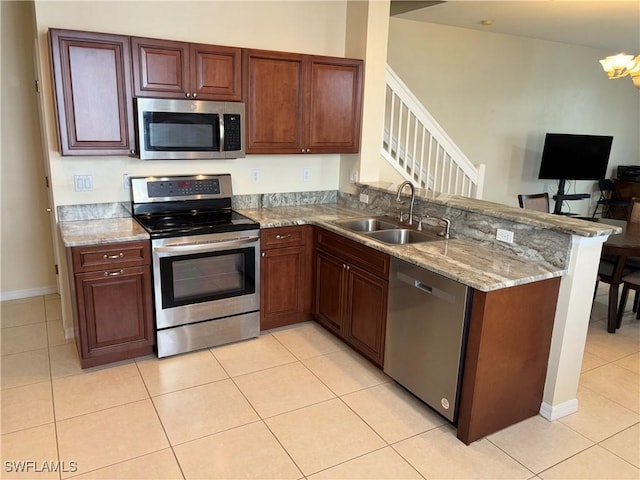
606 185
634 217
535 201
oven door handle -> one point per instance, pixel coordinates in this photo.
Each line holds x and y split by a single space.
205 247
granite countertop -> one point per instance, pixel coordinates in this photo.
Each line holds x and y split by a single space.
466 261
571 225
106 230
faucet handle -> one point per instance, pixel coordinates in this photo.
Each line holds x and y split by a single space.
422 217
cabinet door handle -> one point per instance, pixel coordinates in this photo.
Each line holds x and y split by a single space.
113 257
194 95
188 94
113 274
282 237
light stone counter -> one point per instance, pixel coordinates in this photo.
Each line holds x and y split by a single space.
467 261
106 230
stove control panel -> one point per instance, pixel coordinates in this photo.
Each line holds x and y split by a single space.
183 188
180 187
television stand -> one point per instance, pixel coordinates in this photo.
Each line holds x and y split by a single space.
560 197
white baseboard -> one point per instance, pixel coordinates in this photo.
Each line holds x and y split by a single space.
554 412
30 292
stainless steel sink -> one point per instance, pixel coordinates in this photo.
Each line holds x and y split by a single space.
402 236
370 224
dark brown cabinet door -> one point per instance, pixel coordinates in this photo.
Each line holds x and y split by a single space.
160 68
115 308
283 293
216 72
92 79
168 69
274 99
329 291
366 313
335 104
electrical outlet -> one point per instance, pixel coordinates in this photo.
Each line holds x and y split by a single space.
364 198
504 235
306 174
83 183
126 182
255 175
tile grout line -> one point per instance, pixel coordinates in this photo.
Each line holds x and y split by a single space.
160 421
53 397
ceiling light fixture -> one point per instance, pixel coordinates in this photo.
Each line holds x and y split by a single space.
621 65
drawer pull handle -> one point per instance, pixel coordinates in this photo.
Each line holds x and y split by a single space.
282 237
113 257
113 274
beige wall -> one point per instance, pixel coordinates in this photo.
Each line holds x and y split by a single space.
26 255
497 95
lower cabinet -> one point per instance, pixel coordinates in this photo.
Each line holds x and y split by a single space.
113 314
351 292
285 276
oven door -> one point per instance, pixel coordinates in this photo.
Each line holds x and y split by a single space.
205 277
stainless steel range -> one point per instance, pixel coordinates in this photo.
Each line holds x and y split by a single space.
206 261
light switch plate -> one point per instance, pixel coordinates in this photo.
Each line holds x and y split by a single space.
83 183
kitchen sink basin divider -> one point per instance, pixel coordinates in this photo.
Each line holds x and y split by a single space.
420 150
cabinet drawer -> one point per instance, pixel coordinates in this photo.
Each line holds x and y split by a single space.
355 253
283 237
111 255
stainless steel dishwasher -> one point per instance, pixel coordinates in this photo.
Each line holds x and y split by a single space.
426 329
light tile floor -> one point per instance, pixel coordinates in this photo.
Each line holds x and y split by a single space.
295 403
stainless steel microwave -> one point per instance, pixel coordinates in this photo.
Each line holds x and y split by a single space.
189 129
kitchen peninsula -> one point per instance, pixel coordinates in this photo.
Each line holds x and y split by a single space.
521 280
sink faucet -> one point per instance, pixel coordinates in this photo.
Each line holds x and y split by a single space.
413 197
446 224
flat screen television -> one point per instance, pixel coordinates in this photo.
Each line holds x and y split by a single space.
575 157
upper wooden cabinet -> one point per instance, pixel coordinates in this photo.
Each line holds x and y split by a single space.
92 79
301 103
168 69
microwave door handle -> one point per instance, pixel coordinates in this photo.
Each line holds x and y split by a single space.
204 247
221 129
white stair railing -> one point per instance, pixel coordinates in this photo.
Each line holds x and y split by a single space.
420 150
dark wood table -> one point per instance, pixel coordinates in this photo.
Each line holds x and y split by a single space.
620 247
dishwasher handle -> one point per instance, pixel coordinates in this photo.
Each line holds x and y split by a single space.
426 288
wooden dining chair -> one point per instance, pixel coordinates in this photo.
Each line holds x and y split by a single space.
631 281
634 216
535 201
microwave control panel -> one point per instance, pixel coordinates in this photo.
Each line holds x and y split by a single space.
232 132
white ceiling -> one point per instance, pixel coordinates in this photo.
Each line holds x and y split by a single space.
613 26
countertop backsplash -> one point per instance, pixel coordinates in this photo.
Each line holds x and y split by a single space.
93 211
269 200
